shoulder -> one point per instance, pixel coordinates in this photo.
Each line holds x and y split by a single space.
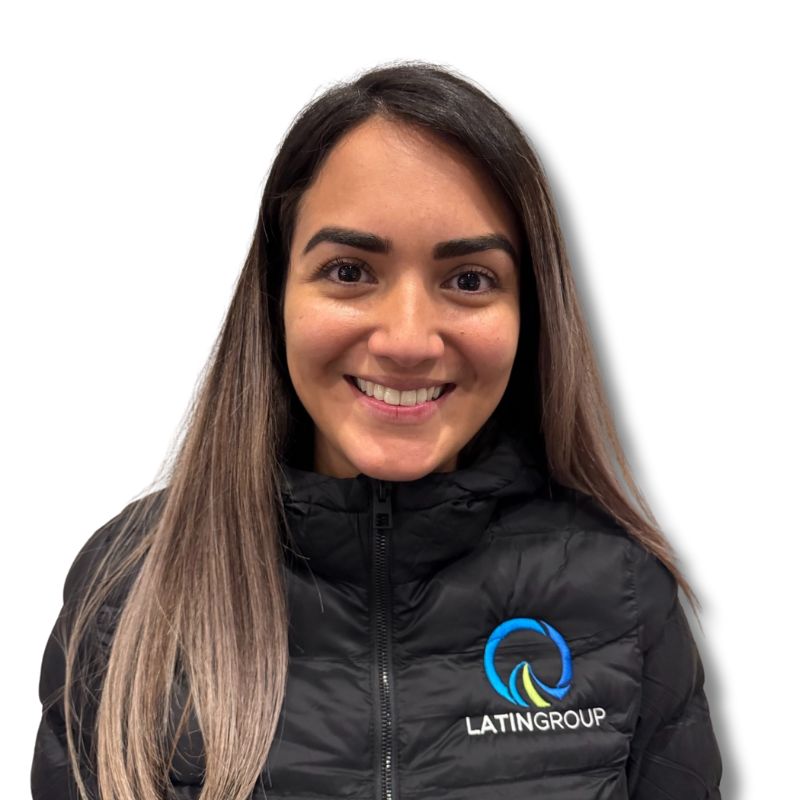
651 585
656 592
115 536
80 577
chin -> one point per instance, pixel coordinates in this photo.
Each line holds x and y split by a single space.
407 468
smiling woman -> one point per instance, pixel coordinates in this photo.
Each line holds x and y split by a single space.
422 317
400 522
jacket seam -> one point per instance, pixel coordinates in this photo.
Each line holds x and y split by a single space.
471 497
634 592
573 643
407 657
305 795
601 769
674 765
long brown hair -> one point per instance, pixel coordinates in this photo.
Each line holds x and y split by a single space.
192 572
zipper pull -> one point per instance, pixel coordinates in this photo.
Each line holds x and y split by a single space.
381 504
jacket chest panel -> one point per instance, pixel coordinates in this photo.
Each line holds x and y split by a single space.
324 743
454 731
563 617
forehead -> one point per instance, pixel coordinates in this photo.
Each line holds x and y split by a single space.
397 180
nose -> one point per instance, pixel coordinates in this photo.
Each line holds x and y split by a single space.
407 329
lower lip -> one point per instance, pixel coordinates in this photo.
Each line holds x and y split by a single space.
403 414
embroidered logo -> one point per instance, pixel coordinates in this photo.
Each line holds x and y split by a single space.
511 691
534 687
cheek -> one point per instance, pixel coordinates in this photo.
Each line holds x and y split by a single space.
316 335
490 345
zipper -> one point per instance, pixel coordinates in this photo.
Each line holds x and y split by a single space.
386 780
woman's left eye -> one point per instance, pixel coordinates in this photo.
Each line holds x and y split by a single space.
349 271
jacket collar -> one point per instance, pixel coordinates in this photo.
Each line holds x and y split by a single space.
435 519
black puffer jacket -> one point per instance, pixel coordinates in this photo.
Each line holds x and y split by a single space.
472 634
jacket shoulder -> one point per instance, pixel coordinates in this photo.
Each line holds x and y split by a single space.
85 565
582 510
654 587
656 592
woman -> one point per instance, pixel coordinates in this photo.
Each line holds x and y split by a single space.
393 557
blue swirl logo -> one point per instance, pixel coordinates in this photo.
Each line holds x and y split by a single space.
530 682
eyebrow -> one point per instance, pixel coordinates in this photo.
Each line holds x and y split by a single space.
378 244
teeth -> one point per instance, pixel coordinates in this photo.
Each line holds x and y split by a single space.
394 397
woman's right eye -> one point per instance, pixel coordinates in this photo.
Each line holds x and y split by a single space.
347 272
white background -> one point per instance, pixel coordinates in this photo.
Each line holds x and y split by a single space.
136 139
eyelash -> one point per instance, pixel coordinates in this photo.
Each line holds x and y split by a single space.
327 267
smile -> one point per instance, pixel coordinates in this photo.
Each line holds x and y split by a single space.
399 397
408 412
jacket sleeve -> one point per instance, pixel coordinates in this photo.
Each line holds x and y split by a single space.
674 752
51 775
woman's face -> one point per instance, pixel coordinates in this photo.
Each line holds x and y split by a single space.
396 305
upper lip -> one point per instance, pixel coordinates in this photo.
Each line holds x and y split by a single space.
402 383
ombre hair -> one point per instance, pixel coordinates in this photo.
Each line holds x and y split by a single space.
178 610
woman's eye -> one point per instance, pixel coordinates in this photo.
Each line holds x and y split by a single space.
468 281
344 271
